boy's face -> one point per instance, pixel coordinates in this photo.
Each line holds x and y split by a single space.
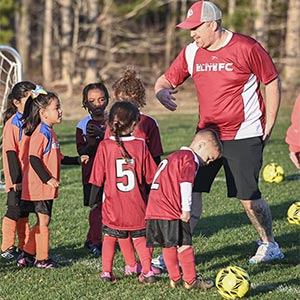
96 102
207 152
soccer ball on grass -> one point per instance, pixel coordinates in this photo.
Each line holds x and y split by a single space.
293 214
273 172
232 282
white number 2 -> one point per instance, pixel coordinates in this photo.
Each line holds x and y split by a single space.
163 164
121 173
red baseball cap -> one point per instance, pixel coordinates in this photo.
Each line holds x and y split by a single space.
200 12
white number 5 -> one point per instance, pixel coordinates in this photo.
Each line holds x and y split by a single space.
124 173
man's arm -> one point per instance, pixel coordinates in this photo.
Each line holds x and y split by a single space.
272 102
164 93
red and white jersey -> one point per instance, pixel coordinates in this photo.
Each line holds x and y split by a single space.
227 83
124 198
148 130
164 201
293 132
14 140
81 143
44 145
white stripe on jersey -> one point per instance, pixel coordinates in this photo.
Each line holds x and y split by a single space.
252 125
190 53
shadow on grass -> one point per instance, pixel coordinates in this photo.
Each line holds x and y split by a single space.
210 225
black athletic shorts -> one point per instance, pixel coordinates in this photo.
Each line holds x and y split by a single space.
168 233
13 205
242 161
123 234
42 207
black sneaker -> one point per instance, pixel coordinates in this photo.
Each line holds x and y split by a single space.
46 264
25 260
95 250
10 253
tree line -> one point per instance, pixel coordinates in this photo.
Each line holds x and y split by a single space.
76 42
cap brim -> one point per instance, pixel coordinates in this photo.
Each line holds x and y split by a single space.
188 25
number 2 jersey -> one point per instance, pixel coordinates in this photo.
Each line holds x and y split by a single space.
228 85
124 198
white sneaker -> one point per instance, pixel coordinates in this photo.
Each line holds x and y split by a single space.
159 262
266 252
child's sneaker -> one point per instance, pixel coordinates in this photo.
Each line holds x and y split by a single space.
199 283
156 270
46 264
266 252
25 260
107 276
96 250
10 253
148 278
159 262
175 284
135 270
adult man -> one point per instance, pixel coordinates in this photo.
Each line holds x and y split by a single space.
227 69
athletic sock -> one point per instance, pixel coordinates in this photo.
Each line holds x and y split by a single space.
42 243
30 246
95 230
127 250
108 253
187 261
23 232
144 253
172 263
8 233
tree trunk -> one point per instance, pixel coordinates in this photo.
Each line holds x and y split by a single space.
260 22
93 37
23 32
231 11
47 42
66 41
170 33
291 71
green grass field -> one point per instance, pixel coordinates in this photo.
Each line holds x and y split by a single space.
223 236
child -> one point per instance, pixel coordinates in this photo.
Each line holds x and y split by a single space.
13 152
41 174
124 166
130 88
89 133
293 134
169 205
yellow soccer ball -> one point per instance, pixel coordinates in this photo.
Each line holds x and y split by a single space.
293 214
273 172
232 282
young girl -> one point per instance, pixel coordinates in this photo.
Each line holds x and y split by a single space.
14 153
130 88
41 175
124 166
89 133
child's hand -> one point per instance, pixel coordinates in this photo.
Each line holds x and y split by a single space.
295 158
17 187
84 159
93 130
185 216
53 183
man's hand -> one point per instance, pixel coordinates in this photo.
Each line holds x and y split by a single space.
186 215
166 98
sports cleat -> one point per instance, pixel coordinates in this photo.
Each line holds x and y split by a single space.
25 260
10 253
135 270
156 270
266 252
159 262
199 283
45 264
175 284
148 278
107 276
96 250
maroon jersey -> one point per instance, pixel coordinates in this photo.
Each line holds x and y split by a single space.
82 145
164 201
124 198
147 129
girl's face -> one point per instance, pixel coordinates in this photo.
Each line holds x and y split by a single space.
96 102
52 114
